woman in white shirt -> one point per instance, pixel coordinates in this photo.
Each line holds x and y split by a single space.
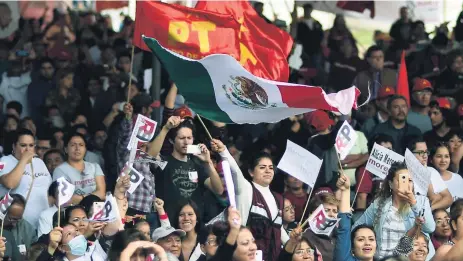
440 158
86 176
15 175
260 208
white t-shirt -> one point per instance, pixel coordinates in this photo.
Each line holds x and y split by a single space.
46 221
438 184
38 199
84 181
455 185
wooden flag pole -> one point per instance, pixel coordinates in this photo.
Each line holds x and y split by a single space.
59 214
1 231
357 190
305 208
130 75
204 126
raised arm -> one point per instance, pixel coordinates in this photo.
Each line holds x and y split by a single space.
214 183
159 205
156 145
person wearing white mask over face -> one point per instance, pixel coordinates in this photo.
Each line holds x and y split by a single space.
260 209
16 176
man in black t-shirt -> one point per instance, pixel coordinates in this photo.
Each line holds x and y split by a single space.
185 176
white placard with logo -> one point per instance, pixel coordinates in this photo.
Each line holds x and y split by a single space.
65 191
320 223
135 177
143 131
345 140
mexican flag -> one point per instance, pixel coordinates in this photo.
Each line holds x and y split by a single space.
218 88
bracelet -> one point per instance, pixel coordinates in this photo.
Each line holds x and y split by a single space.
163 216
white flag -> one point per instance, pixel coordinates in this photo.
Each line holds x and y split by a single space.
345 140
65 191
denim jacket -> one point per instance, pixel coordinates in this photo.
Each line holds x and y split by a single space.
422 204
342 250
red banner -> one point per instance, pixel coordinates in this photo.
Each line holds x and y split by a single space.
103 5
187 31
264 47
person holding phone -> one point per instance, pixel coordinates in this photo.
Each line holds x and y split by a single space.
395 210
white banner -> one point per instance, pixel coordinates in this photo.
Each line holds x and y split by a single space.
143 131
381 159
300 163
420 174
320 223
65 191
345 140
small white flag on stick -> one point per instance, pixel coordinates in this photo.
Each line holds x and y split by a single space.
345 140
65 191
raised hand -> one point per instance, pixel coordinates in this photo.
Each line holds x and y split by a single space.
128 110
343 182
217 146
205 155
173 122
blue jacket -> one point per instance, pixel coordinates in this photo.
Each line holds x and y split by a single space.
409 218
342 250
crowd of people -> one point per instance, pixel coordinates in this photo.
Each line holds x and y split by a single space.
70 99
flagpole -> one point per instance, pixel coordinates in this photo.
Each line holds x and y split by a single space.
305 208
59 213
1 231
357 190
130 74
204 126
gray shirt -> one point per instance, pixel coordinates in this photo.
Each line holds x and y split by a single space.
84 181
422 122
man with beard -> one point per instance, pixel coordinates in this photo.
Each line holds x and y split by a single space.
396 126
421 97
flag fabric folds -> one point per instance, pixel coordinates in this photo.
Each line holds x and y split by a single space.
219 88
402 79
190 32
264 47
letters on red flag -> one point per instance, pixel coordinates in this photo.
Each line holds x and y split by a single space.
264 48
189 32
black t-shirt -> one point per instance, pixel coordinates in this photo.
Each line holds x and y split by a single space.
432 139
179 181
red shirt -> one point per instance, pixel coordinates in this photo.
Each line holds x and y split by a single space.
298 202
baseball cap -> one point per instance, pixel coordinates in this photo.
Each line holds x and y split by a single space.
385 91
420 84
143 100
319 120
162 232
443 103
183 112
323 190
460 110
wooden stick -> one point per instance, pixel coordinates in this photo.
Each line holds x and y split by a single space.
1 231
306 204
340 165
204 126
59 213
357 190
130 75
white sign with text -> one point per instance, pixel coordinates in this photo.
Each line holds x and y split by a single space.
381 159
420 174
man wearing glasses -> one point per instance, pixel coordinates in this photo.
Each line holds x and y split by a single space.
438 193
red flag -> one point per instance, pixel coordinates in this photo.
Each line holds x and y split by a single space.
358 6
104 4
264 48
402 80
187 31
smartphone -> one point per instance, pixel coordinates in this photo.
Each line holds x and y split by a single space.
193 149
404 182
259 255
97 207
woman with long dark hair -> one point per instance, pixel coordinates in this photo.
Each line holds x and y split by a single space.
395 210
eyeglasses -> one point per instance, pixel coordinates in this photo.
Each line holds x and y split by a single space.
289 208
212 242
421 153
445 221
307 251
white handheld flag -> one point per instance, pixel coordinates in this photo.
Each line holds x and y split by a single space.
300 163
345 140
108 213
135 177
143 131
229 183
65 191
5 203
420 174
320 223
